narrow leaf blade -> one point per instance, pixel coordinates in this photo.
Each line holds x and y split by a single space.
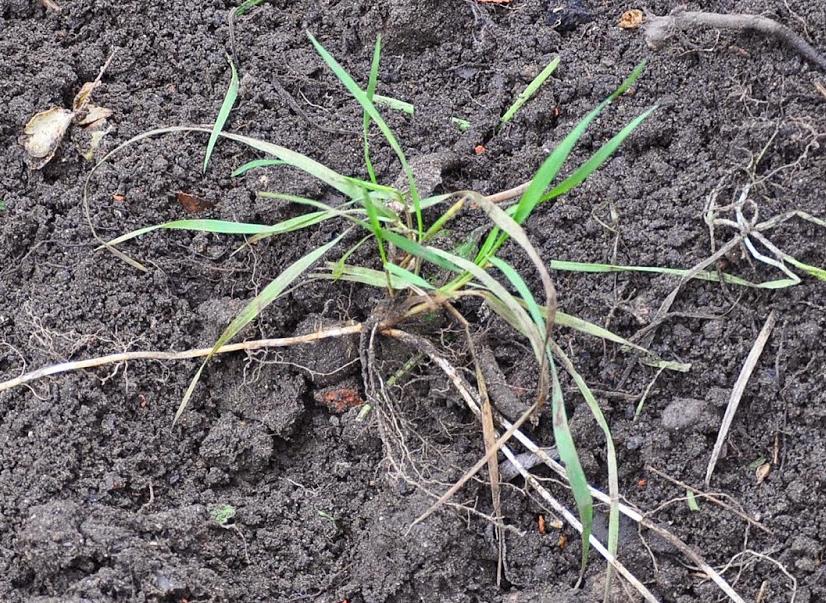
223 113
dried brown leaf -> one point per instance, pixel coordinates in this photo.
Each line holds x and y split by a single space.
83 96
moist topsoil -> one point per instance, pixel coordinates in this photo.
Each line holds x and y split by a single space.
103 500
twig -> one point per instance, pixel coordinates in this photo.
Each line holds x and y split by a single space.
489 437
659 30
737 391
77 365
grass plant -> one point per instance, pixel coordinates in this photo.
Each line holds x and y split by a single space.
410 265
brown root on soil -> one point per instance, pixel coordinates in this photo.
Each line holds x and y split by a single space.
659 30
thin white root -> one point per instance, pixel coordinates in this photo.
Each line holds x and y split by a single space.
77 365
466 392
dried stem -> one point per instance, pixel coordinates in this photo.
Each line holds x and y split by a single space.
77 365
737 392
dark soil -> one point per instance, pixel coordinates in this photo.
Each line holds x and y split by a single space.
102 500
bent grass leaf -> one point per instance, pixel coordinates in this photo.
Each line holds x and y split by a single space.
703 275
362 275
227 227
292 158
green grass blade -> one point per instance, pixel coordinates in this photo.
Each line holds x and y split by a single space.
530 90
299 200
440 222
454 263
550 168
535 310
297 160
245 7
435 200
408 277
462 124
223 113
597 159
594 330
362 275
570 458
254 165
371 110
415 249
611 453
296 223
374 226
372 83
818 273
524 324
216 226
345 210
288 156
502 310
269 294
395 104
338 266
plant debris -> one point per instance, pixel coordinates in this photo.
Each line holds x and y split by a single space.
762 472
44 132
659 30
193 204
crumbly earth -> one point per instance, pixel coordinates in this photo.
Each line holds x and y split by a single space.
103 500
